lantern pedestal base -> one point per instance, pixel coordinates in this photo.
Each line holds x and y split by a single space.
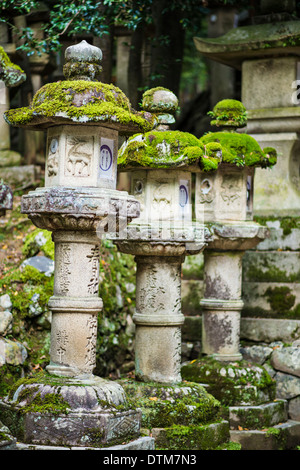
94 412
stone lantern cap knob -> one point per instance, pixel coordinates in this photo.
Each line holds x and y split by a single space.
238 148
229 113
82 62
162 102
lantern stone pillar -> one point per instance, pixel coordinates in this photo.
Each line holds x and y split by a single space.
226 199
83 118
160 163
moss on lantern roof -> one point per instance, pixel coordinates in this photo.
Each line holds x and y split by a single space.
168 149
241 149
10 73
80 101
228 113
252 42
159 100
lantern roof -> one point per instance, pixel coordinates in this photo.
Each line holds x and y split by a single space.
81 99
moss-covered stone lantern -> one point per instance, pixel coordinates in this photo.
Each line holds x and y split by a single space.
160 163
224 200
83 118
11 76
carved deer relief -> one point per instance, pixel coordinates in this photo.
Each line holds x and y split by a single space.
79 156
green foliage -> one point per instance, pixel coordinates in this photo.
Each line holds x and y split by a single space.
22 284
32 246
117 290
88 16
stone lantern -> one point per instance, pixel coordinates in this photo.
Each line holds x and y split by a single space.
83 118
160 163
225 199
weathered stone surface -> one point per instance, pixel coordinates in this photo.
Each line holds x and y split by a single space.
248 42
294 408
141 443
86 407
269 330
7 441
42 263
287 386
258 417
202 437
256 353
5 302
6 320
270 299
235 383
287 360
279 437
271 266
80 209
277 240
9 158
94 429
12 352
19 175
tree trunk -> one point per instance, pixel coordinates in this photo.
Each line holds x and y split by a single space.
167 47
135 77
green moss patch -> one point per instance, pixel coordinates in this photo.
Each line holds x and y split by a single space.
241 149
199 437
231 383
165 149
165 106
280 298
10 73
80 101
229 113
169 405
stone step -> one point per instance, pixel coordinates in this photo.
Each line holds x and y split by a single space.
141 443
259 416
285 436
197 437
